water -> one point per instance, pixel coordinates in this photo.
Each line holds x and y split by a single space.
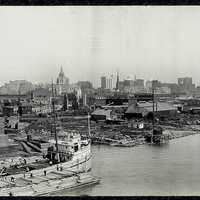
172 169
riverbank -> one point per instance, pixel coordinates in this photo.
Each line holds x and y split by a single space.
126 134
109 136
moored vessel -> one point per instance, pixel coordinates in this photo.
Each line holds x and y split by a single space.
64 163
156 136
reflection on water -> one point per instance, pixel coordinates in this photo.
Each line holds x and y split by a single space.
172 169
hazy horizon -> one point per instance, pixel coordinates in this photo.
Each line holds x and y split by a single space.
88 42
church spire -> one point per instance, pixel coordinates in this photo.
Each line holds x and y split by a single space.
61 72
61 69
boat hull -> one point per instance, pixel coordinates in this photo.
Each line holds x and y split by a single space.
80 163
53 186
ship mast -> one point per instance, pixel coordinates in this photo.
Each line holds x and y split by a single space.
89 125
153 96
54 120
18 114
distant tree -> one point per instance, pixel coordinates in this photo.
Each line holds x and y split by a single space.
74 103
65 102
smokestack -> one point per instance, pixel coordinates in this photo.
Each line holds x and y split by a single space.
117 83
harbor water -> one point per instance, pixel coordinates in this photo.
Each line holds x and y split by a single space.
172 169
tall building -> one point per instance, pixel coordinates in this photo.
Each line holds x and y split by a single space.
148 86
103 82
120 86
139 85
109 83
128 85
185 84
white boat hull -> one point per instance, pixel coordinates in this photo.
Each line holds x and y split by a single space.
80 162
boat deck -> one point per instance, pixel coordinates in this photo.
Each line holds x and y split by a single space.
23 168
30 180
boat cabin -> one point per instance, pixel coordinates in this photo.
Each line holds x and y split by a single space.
68 144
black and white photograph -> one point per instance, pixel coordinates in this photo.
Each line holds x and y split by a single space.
99 101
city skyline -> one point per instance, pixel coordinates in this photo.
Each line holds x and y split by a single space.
110 80
99 100
89 42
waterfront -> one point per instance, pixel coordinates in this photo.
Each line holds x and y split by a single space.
172 169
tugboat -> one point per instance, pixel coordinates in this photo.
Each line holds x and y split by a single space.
65 164
156 136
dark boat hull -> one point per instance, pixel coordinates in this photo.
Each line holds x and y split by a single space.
157 139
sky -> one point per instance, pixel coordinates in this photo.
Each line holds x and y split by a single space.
148 42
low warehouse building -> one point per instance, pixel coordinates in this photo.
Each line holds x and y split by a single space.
145 109
101 114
